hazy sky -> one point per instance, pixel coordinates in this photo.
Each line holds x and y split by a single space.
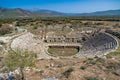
69 6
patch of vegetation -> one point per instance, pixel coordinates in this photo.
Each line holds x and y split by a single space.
35 27
19 60
5 30
92 78
113 66
112 54
83 67
2 43
40 72
92 61
68 72
0 24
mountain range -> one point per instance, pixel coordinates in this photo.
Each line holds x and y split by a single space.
22 13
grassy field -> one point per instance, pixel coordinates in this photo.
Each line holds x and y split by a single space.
63 51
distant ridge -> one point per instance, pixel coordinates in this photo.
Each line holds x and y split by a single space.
47 11
103 13
98 13
21 13
17 12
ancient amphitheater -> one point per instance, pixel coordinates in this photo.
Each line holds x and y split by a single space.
98 44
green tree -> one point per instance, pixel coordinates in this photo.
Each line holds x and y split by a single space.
19 60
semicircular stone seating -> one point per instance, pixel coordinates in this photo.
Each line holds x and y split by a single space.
98 45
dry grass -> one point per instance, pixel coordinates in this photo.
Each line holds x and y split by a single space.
103 69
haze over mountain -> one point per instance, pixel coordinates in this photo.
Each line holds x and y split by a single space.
97 13
21 13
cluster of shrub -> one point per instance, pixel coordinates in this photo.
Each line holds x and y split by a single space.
5 30
68 72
